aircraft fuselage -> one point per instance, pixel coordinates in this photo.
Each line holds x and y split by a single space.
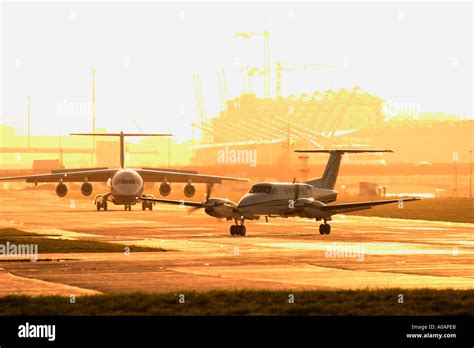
279 198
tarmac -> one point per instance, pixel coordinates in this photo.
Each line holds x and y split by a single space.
283 254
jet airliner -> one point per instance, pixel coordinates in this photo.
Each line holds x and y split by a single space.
126 184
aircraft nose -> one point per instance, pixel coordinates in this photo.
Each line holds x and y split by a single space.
244 201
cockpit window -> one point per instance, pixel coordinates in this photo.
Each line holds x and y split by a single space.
261 189
124 181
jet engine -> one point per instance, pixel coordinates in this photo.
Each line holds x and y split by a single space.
189 190
61 189
165 189
86 188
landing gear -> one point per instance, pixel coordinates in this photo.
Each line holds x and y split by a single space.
324 228
146 204
128 207
100 201
101 205
237 230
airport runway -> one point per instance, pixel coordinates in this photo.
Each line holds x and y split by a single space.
282 254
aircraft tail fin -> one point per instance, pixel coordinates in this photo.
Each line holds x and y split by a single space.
328 180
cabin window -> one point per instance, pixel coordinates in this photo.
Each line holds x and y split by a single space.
261 189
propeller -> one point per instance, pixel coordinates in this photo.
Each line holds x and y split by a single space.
297 189
208 191
203 203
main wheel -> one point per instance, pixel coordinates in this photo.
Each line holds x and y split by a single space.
242 230
104 205
144 204
150 206
98 206
322 229
328 229
233 230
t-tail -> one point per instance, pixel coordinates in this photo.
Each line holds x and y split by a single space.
328 180
122 136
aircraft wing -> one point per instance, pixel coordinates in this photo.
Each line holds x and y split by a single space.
99 175
230 208
171 201
151 175
102 175
347 207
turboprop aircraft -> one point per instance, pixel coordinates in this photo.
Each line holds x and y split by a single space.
285 199
126 184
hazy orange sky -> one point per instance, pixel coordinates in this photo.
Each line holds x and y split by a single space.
145 55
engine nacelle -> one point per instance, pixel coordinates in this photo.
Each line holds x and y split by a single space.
61 189
86 188
312 210
189 190
165 189
304 202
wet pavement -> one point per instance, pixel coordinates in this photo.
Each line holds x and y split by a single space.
360 252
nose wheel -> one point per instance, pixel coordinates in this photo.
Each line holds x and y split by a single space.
147 205
101 205
100 201
324 228
237 230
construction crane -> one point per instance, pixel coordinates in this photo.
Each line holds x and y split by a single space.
29 123
93 108
200 107
266 57
223 89
279 67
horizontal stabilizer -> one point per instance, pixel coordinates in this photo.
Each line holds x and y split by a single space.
342 151
348 207
125 134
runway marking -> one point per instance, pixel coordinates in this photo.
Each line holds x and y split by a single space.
185 228
13 284
130 222
425 228
370 248
327 277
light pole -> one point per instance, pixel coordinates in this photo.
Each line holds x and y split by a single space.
470 174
